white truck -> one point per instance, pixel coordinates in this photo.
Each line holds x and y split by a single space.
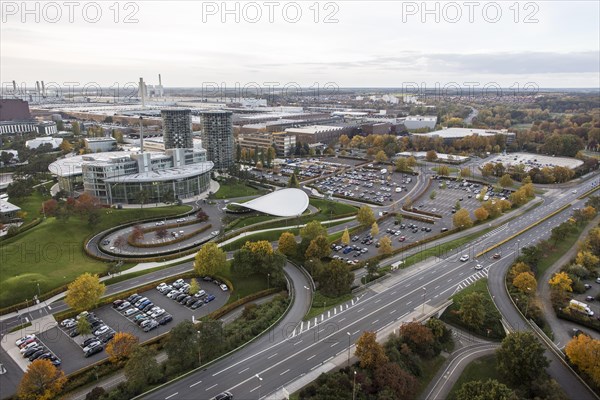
581 307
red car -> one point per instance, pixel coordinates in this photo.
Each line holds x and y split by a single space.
496 256
401 238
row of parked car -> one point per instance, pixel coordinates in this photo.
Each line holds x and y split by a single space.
142 311
33 349
102 333
179 291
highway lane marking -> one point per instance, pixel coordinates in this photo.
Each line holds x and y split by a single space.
316 366
378 300
354 333
360 310
394 292
174 394
255 389
374 322
435 288
311 357
341 320
284 372
208 388
298 342
194 384
241 372
393 311
271 356
409 302
335 344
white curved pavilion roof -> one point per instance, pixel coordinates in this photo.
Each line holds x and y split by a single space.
281 203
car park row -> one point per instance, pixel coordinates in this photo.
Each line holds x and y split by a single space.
32 348
101 332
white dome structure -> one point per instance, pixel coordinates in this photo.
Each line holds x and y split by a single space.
280 203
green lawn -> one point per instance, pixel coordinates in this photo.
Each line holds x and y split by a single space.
271 236
322 303
482 369
246 221
243 286
429 367
561 248
228 190
52 255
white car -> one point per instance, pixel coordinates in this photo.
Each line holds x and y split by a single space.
574 192
160 223
152 310
68 323
103 329
200 293
173 293
224 287
131 311
465 257
157 313
161 285
24 339
478 267
29 346
181 220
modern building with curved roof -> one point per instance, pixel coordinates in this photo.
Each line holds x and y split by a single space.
288 202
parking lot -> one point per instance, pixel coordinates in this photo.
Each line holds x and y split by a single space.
368 184
69 350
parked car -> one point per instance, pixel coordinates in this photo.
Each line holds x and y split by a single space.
173 293
68 323
133 296
107 336
123 306
94 350
152 325
117 303
148 307
88 341
25 339
157 313
161 285
184 299
180 297
31 350
73 332
101 330
197 304
209 298
29 345
165 319
589 298
38 353
200 293
190 301
224 287
130 311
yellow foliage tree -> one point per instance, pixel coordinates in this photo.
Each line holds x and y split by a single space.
481 214
346 237
587 259
84 292
525 282
374 229
365 216
584 352
260 247
42 381
462 219
381 156
287 244
385 245
370 353
209 259
121 346
561 281
517 269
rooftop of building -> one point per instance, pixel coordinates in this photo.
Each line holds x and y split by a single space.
167 174
288 202
312 129
71 166
100 139
421 118
6 207
451 133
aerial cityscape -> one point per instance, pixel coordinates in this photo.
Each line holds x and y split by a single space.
328 200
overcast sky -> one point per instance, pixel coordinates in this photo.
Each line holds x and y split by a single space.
372 44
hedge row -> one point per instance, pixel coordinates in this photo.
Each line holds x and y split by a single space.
417 211
580 319
232 306
358 200
177 240
417 218
22 229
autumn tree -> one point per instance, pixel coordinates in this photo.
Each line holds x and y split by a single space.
402 165
391 378
49 208
318 248
161 233
335 279
584 352
84 292
83 326
142 368
41 381
385 246
381 157
121 346
66 146
210 259
517 269
365 216
293 182
370 353
444 170
418 337
561 282
137 234
312 230
481 214
120 242
374 229
346 237
587 259
462 219
525 282
431 155
472 310
194 286
287 244
465 172
505 181
488 390
520 359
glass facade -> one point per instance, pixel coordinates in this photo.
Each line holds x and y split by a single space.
158 192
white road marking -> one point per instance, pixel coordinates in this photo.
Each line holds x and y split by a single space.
208 388
311 357
298 342
254 389
393 311
271 356
194 384
374 322
242 371
284 372
174 394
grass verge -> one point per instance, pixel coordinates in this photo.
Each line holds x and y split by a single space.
231 189
322 303
481 369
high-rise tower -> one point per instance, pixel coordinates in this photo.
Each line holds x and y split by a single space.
177 129
217 138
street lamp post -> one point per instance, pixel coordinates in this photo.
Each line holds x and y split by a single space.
349 338
268 281
354 386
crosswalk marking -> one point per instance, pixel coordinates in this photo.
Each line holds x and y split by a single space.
472 279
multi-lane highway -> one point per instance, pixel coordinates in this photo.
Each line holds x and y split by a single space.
311 346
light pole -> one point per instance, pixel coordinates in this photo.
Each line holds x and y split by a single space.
199 350
527 306
424 293
354 386
349 338
259 386
268 281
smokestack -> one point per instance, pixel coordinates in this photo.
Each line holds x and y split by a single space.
15 86
43 89
37 86
142 88
141 135
159 80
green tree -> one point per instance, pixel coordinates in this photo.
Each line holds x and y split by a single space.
84 292
312 230
505 181
258 258
318 248
346 237
182 346
432 195
142 369
270 156
374 229
370 353
287 244
83 326
141 197
293 182
444 170
194 286
488 390
385 246
365 216
210 259
335 279
75 128
238 153
520 359
472 310
211 340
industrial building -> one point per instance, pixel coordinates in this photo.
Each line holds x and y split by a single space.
449 135
40 141
413 122
217 136
283 142
97 145
19 127
14 110
8 211
319 133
